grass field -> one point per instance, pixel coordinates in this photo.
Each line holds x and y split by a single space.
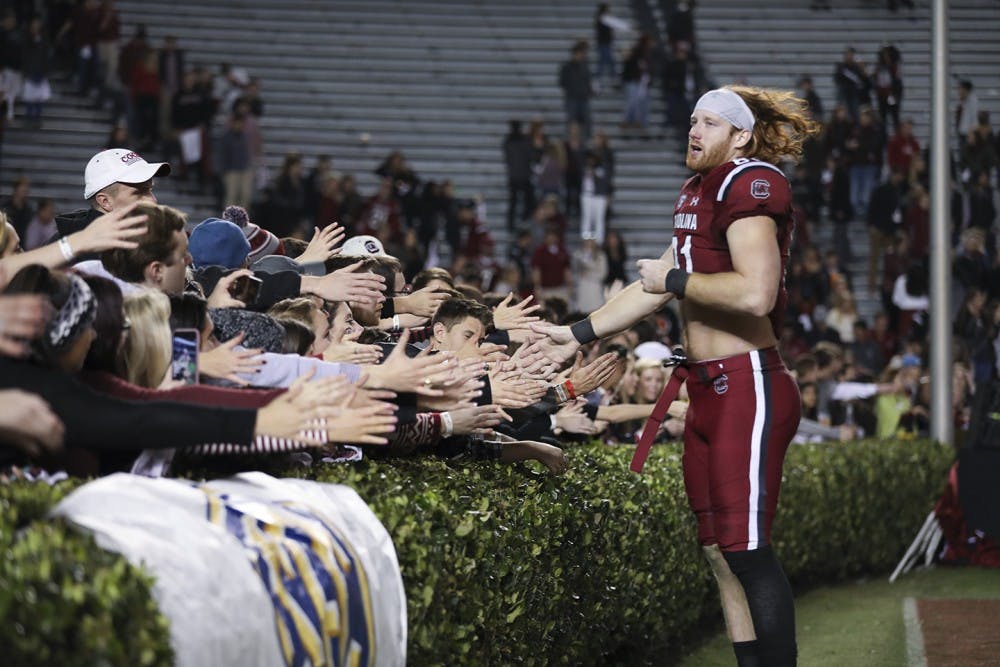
861 623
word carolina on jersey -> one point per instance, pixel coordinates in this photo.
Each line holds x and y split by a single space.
686 221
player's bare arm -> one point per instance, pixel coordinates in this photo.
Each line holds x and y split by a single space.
749 289
622 311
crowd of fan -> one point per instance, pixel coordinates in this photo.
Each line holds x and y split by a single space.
856 378
311 346
870 377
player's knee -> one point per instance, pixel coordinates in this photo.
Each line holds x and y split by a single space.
720 568
752 560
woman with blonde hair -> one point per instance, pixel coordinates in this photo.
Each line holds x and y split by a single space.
147 350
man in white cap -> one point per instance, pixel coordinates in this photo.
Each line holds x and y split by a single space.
732 226
113 179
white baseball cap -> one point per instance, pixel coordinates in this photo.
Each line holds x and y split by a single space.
653 350
363 246
119 165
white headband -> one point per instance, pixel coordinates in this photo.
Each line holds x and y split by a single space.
729 105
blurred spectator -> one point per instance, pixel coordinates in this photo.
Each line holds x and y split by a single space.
813 282
903 147
351 201
11 76
916 222
982 210
842 316
605 27
636 77
118 137
410 254
884 336
35 59
404 183
865 147
680 27
971 265
108 34
837 183
551 268
890 407
574 80
190 112
549 172
517 159
838 131
321 172
966 112
249 94
837 276
171 69
888 79
434 211
42 226
865 350
909 295
17 207
969 328
590 267
594 199
575 152
235 164
327 202
145 89
852 82
227 86
821 331
519 254
808 93
895 262
132 54
616 254
884 218
383 211
979 153
683 80
547 215
86 28
285 200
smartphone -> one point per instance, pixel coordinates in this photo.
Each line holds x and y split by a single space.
245 289
184 358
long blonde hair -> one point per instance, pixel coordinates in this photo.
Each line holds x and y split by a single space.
781 123
146 357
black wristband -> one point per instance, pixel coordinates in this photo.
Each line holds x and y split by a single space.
583 331
676 282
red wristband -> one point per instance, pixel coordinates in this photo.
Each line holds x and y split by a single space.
569 390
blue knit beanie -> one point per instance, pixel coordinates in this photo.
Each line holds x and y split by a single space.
216 242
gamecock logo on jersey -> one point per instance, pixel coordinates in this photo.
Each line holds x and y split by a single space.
760 189
721 384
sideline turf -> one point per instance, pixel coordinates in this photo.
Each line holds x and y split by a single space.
861 623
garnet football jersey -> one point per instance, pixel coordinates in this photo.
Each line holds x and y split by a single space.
709 203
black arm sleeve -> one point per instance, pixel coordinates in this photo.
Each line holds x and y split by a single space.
103 423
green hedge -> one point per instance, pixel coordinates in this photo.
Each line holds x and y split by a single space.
506 564
64 600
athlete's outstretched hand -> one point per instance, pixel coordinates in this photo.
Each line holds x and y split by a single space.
557 343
